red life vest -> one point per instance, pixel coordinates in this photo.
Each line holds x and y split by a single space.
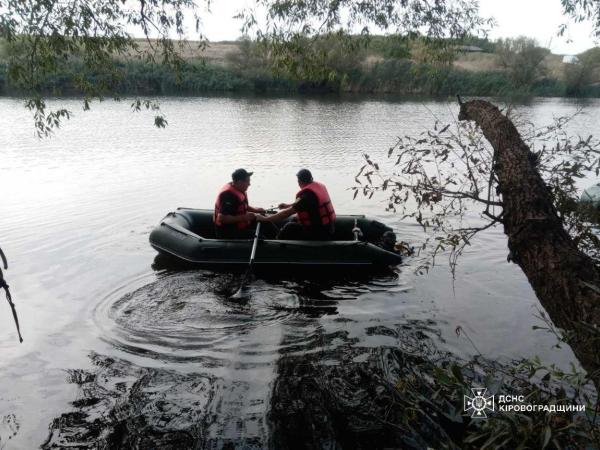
241 209
326 211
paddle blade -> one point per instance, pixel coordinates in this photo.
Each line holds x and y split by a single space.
240 294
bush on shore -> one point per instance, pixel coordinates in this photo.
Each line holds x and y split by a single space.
384 64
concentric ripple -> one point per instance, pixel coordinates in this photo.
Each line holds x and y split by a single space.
187 316
184 316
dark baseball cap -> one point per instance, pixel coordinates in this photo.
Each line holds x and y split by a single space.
240 174
304 176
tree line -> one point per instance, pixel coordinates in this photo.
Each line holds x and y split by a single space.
337 63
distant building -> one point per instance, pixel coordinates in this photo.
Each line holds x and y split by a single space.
570 59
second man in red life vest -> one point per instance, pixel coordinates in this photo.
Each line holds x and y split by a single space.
316 216
234 218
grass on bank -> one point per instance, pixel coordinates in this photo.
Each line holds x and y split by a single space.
383 64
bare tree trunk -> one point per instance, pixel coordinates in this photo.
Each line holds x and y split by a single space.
566 281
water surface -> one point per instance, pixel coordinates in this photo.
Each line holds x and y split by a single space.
107 329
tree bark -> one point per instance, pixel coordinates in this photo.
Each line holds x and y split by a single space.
565 280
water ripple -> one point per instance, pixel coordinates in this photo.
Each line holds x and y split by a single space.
187 316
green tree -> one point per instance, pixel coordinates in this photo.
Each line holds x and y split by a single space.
579 75
39 37
394 46
294 29
45 33
523 58
49 32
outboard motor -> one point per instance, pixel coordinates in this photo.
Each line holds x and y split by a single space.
382 236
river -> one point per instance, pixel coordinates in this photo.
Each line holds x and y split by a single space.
111 336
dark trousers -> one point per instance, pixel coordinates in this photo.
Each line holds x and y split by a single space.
296 231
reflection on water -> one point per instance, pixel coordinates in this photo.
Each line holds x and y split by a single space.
346 396
124 406
9 427
349 396
174 363
184 317
335 395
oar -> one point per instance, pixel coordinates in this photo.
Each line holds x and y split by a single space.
239 295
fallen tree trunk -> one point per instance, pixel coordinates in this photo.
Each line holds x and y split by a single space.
565 280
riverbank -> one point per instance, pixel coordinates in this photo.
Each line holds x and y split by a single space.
399 77
381 68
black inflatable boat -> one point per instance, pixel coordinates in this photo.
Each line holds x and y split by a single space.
188 234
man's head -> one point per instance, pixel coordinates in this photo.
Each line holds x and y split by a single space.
241 179
304 177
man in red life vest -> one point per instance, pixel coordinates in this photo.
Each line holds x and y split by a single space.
316 216
234 218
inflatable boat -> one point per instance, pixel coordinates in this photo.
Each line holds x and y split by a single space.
188 234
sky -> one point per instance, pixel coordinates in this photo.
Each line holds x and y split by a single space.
538 19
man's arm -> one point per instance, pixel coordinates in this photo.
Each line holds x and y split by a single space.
299 205
279 216
256 210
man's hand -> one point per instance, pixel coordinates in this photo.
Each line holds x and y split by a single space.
260 210
283 206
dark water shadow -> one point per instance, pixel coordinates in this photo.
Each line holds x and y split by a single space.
120 405
341 396
318 288
183 319
186 314
268 374
350 397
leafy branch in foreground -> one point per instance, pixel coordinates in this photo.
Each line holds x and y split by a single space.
539 385
528 188
582 11
294 32
41 37
445 179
